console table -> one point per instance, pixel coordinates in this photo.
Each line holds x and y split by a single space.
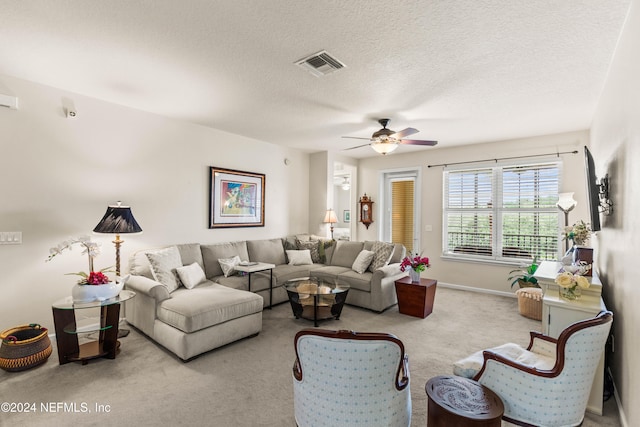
558 313
67 329
255 267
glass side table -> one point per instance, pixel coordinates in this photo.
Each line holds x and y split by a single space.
316 299
106 325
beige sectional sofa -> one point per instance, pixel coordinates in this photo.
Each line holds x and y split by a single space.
218 309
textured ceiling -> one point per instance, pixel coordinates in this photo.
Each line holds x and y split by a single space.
461 72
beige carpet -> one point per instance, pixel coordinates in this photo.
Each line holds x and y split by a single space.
248 383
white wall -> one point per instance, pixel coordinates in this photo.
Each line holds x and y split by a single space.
615 138
59 176
484 276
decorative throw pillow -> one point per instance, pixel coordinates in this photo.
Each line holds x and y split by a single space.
191 275
227 264
383 252
301 257
314 249
164 263
362 261
323 245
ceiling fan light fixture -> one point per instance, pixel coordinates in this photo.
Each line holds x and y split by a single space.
384 147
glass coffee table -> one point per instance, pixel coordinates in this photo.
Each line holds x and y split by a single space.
316 299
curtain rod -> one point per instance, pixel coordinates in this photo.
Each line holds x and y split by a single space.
504 158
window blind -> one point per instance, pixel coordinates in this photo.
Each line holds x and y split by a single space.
402 213
502 212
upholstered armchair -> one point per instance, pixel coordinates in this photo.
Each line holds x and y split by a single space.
548 383
346 378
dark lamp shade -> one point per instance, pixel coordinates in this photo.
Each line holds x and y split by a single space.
118 220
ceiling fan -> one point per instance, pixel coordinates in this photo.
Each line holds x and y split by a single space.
386 140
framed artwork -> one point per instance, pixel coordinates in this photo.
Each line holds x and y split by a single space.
236 198
346 216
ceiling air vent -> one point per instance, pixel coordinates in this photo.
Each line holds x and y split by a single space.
320 64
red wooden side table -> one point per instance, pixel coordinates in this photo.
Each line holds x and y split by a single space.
416 299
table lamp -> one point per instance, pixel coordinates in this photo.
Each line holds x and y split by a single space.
331 218
566 205
118 220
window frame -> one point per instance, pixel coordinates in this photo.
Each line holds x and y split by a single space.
497 211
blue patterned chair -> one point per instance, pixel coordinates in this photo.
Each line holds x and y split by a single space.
548 383
346 378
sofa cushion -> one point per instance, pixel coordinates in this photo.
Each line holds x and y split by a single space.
383 252
190 253
346 253
299 257
313 246
164 263
207 305
285 272
139 264
362 261
471 365
212 253
361 282
191 275
270 251
329 273
235 281
399 252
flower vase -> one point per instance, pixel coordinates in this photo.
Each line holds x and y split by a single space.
91 293
570 293
414 275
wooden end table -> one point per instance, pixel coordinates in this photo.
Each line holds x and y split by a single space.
416 299
461 402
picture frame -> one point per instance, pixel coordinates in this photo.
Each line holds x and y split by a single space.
346 216
236 198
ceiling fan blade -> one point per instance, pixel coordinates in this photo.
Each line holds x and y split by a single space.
405 132
357 137
357 146
417 142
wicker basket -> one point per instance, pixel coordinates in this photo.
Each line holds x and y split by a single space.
24 347
530 302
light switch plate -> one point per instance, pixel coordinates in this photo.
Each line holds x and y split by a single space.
10 237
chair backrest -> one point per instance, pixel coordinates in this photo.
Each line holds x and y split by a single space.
350 378
580 346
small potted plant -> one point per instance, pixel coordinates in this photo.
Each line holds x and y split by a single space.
414 264
530 294
524 276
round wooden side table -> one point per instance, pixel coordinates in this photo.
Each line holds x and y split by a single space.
460 402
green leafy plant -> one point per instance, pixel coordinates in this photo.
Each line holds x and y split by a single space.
525 275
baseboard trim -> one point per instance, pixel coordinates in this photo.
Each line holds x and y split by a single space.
479 290
623 418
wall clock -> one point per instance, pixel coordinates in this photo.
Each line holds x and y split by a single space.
366 210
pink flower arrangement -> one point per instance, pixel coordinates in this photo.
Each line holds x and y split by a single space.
97 278
416 263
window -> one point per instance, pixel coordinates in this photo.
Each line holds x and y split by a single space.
402 208
502 212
